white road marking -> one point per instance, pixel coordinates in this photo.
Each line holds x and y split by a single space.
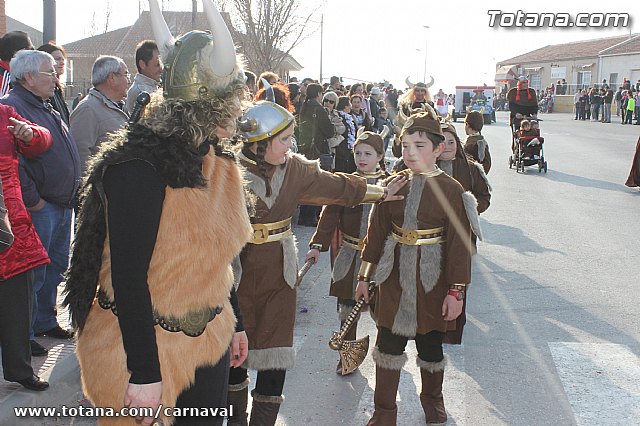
601 381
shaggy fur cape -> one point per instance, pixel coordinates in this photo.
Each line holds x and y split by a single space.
203 226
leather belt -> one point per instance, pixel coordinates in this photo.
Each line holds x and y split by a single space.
270 232
192 323
418 237
352 242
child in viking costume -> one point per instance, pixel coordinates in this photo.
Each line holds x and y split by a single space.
352 223
470 174
266 270
163 216
421 251
475 145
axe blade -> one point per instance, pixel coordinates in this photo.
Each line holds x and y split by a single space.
353 353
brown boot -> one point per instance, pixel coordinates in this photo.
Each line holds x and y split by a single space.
387 379
237 398
432 374
350 336
265 409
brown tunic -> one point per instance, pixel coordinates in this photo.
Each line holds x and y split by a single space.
471 148
266 292
353 222
413 280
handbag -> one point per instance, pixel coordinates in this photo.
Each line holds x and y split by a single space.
6 236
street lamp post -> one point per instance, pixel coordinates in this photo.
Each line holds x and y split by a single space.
426 39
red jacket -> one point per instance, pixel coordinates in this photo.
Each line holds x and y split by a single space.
27 251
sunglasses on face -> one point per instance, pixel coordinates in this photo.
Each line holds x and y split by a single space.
330 101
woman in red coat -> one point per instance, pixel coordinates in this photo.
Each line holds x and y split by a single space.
18 136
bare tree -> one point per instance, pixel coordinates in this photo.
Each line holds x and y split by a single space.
272 28
108 11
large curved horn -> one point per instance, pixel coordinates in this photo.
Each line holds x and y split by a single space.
223 59
430 83
385 131
409 83
268 91
401 116
360 132
161 32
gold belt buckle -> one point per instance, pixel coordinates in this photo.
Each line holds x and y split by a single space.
194 322
260 233
410 237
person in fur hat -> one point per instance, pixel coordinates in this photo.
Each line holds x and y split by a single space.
163 216
352 223
418 251
266 270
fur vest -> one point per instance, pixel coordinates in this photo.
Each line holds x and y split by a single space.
203 226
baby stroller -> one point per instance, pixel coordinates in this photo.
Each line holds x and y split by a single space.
527 150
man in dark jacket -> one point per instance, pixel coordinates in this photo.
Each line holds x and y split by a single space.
49 184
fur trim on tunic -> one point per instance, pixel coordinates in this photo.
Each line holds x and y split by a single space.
430 265
343 262
257 185
388 362
387 260
482 146
282 358
471 208
446 166
266 398
236 266
406 321
290 259
480 168
432 367
239 386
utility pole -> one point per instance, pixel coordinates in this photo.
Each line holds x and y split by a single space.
424 77
49 21
321 40
194 13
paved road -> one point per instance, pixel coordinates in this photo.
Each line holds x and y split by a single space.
553 335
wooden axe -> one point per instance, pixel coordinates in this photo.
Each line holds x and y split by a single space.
352 353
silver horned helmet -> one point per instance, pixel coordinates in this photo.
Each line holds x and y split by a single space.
198 64
420 84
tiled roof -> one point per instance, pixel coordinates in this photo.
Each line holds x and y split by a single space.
628 46
122 42
574 50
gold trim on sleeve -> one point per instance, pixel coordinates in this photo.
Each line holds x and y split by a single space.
366 270
374 193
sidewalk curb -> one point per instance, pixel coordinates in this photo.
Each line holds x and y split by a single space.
64 381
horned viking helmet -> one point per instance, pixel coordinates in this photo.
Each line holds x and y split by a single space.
198 64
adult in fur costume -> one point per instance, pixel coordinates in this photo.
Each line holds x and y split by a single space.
266 270
163 215
420 250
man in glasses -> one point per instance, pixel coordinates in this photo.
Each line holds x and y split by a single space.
49 184
102 110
